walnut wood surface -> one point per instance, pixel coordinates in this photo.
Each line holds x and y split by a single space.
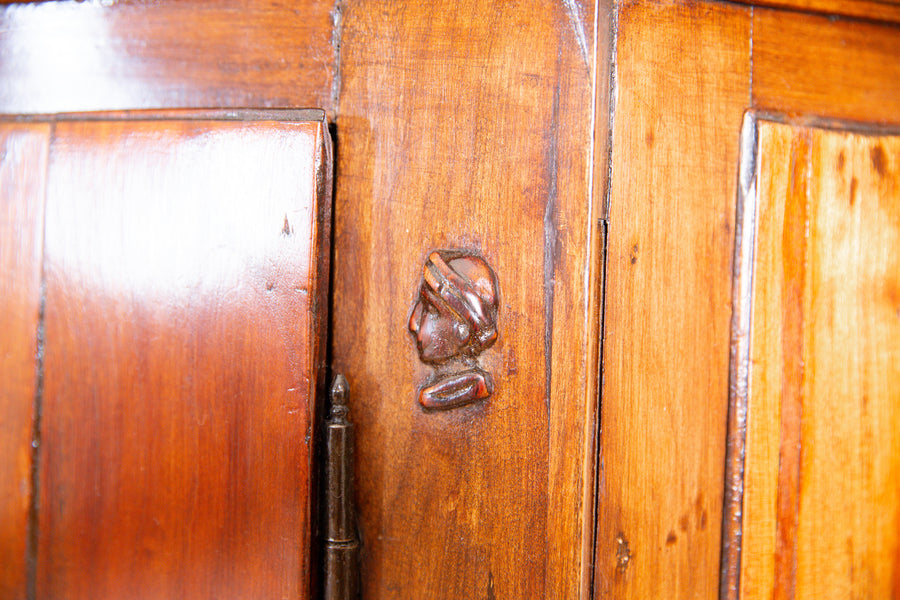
182 350
822 473
873 10
23 165
674 164
668 291
74 56
815 66
471 125
468 125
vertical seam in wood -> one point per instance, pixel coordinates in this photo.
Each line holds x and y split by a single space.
31 544
337 32
596 434
593 129
613 95
612 57
594 280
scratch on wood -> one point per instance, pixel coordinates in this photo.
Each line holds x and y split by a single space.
577 23
551 247
31 548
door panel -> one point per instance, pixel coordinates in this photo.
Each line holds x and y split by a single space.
821 500
77 56
185 291
665 360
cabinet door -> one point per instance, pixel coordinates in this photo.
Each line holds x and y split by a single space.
181 347
816 365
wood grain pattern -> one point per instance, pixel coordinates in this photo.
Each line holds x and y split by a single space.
873 10
840 69
665 382
454 137
75 56
822 514
470 125
183 348
23 168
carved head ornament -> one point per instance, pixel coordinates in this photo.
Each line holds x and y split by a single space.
456 313
454 320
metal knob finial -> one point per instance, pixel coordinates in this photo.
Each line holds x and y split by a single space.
340 394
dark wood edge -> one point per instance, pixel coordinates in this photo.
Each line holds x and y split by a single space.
182 114
739 360
828 124
320 327
588 581
871 11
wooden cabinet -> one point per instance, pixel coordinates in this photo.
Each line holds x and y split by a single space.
580 160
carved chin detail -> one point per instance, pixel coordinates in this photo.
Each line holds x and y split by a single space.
456 390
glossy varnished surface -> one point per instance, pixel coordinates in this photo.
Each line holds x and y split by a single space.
181 356
809 65
78 56
23 166
871 10
468 126
674 166
821 505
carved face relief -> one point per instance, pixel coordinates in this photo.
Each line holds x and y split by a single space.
440 334
455 317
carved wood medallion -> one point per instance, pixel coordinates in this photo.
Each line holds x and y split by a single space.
453 321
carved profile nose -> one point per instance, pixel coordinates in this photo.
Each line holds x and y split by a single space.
415 318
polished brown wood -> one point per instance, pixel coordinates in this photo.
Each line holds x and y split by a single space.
821 501
23 167
674 165
871 10
185 278
468 126
74 56
486 127
683 80
807 65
